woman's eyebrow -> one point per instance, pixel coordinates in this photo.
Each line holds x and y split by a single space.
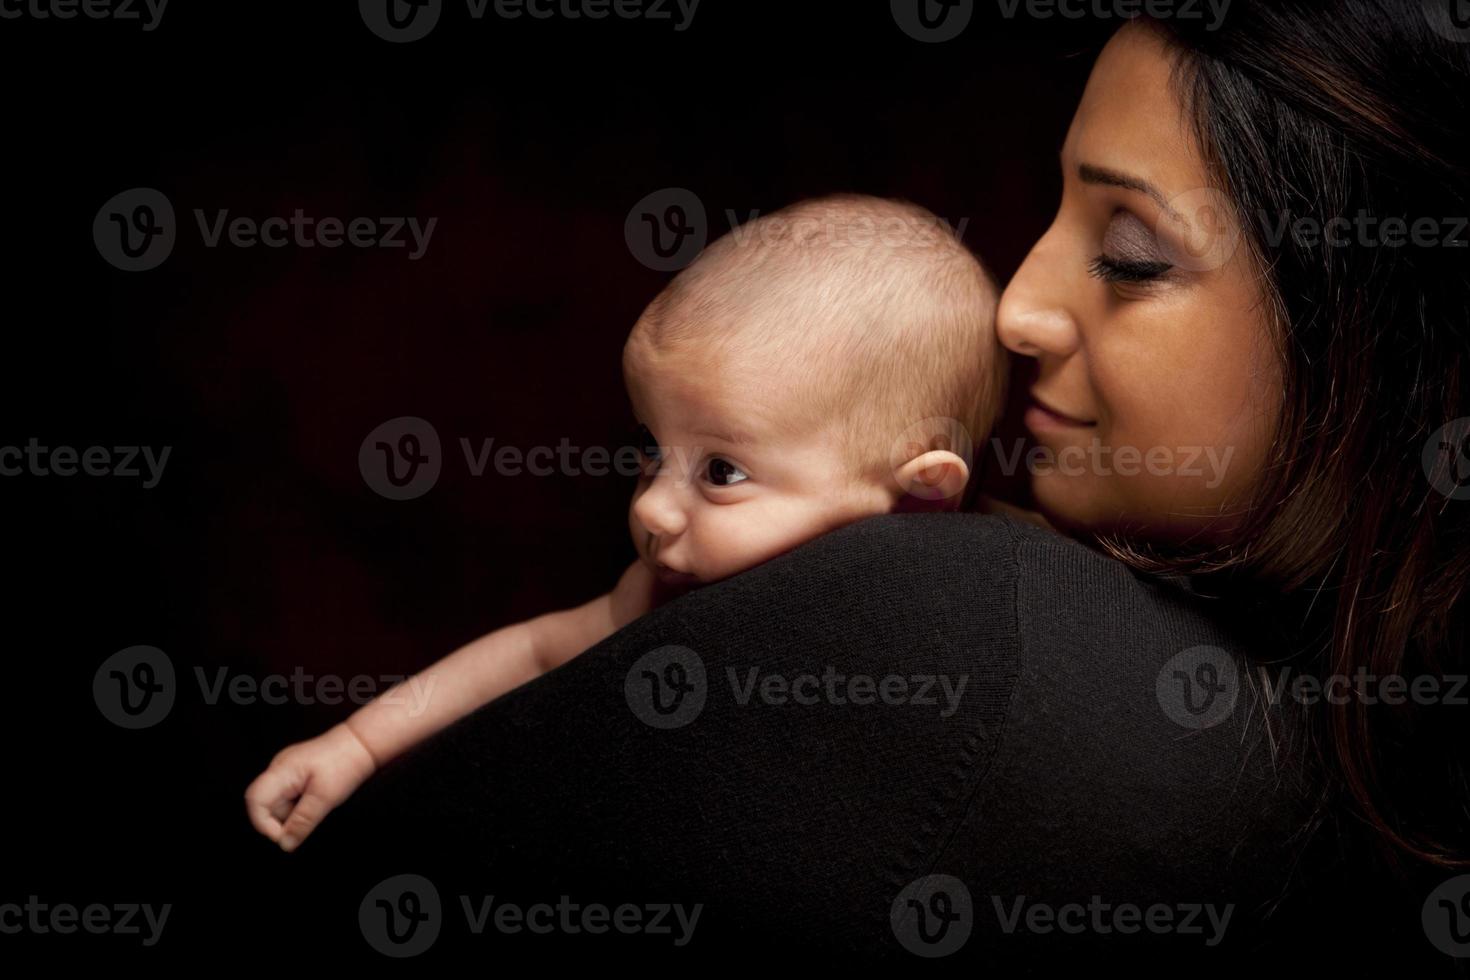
1090 174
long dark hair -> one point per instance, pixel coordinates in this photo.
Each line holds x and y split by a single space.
1331 110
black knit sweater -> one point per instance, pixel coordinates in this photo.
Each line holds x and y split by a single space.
1079 753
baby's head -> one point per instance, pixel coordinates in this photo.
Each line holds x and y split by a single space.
824 363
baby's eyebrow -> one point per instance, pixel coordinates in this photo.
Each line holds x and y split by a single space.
734 438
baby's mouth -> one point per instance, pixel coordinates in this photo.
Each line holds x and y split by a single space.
668 576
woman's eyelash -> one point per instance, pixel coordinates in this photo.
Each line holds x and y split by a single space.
1109 269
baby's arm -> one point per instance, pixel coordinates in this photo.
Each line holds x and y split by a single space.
305 781
481 671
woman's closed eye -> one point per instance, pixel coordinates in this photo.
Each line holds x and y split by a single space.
1130 254
1110 269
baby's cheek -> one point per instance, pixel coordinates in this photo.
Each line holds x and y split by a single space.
729 541
770 529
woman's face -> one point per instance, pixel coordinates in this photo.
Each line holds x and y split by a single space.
1154 386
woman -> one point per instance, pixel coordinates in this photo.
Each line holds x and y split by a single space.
1128 763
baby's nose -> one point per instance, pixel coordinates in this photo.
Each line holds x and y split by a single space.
658 510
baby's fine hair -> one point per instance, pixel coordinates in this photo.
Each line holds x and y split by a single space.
877 317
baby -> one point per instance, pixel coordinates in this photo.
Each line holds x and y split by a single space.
821 364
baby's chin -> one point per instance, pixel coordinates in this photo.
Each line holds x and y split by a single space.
676 583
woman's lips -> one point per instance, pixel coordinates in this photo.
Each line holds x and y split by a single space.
1041 417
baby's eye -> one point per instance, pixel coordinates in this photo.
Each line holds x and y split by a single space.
646 444
723 473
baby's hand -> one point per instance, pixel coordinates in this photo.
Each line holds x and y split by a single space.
304 782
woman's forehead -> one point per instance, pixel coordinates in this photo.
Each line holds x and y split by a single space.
1130 118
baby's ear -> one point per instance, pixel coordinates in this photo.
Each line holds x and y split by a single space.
934 480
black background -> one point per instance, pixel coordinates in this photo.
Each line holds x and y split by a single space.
262 549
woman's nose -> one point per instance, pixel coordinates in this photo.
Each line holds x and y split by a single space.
657 507
1033 319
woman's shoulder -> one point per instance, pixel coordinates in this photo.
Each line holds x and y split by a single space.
1131 745
1089 632
968 547
1086 663
1055 577
894 701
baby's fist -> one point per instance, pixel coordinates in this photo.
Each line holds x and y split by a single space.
304 782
